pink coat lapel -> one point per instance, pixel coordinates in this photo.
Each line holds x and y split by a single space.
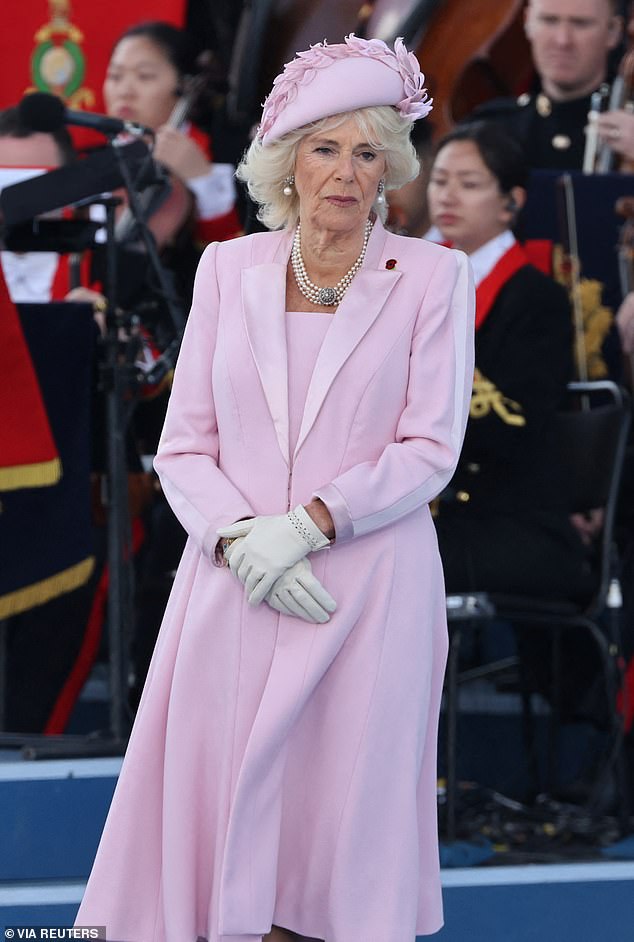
264 305
355 315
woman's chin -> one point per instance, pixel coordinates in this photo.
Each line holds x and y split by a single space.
340 219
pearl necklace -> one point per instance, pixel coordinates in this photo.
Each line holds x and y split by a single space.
311 291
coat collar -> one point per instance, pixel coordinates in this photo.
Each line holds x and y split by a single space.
264 306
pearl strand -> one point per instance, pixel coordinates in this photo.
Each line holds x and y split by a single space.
312 292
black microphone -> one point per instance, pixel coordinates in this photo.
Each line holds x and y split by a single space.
46 113
81 180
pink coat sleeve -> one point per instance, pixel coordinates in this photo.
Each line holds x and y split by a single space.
200 495
413 469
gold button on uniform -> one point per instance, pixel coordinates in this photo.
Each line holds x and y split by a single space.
463 496
561 142
543 105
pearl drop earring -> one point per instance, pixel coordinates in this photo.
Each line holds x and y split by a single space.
288 185
380 198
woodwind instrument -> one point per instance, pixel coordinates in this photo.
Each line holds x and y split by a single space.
599 157
619 98
590 154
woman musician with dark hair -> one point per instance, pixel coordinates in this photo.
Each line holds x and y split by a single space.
146 82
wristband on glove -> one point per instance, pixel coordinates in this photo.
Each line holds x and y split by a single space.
270 545
307 528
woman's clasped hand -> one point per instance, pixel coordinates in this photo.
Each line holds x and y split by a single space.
267 555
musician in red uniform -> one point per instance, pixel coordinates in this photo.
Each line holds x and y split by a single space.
145 82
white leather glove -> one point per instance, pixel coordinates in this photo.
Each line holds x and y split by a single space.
299 593
271 545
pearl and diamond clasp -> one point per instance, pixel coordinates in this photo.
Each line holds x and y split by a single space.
328 296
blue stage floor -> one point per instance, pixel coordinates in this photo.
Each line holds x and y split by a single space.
550 903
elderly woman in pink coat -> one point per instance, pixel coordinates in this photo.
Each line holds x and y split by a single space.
280 780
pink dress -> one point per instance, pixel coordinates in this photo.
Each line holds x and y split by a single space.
305 333
281 772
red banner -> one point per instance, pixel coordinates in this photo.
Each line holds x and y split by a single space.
28 456
63 46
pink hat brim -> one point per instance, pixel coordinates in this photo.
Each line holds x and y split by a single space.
345 85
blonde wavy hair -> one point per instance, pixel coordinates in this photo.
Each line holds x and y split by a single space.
264 169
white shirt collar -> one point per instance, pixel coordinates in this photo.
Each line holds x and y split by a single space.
30 275
484 259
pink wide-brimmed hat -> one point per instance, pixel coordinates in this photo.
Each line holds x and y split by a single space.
328 80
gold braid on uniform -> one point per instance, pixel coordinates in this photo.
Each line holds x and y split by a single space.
597 318
486 397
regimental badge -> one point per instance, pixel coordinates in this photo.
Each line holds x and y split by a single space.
58 65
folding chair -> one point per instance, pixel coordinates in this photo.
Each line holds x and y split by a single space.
592 435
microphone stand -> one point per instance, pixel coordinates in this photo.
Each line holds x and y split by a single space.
119 542
175 312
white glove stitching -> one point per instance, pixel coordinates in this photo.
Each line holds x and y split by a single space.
307 528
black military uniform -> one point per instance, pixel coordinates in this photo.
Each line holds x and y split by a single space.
552 133
503 523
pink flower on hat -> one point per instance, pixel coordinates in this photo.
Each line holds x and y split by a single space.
416 103
303 69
